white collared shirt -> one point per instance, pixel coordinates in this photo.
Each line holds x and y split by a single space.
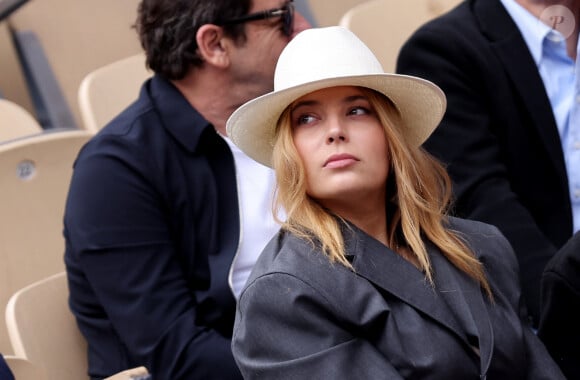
256 184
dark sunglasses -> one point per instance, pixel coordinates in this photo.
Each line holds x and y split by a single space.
286 13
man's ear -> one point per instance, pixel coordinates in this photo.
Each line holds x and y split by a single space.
212 45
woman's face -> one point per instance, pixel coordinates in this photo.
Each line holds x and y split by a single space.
343 147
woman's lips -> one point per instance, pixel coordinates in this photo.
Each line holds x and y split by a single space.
340 160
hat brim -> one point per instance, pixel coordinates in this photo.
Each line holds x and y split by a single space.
421 105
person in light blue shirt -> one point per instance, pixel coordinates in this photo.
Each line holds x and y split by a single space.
511 141
509 137
551 35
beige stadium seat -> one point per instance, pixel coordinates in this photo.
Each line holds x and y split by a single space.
385 25
24 369
106 91
43 330
79 36
35 172
329 12
15 121
438 7
12 80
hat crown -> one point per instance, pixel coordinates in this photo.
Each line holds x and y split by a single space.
327 57
338 52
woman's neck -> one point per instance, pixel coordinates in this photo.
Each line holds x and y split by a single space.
370 217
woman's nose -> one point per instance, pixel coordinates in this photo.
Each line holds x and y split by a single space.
332 139
336 133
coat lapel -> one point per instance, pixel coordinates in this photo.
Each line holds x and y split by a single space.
466 299
456 302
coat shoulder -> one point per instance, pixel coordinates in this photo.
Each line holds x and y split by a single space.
486 241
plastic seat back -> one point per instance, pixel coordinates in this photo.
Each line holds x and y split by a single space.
385 25
105 92
35 173
43 330
15 121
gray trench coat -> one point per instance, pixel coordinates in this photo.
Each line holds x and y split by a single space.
302 317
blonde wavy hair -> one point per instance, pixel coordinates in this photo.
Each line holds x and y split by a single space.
418 187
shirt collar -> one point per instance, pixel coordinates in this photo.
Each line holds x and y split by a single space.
533 30
182 121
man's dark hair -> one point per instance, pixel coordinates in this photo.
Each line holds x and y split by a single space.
167 30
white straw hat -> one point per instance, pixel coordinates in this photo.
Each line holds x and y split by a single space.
326 57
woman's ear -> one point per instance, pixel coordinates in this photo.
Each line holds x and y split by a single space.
210 42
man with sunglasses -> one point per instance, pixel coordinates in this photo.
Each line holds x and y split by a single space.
165 217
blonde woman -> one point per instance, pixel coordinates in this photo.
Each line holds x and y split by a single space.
368 278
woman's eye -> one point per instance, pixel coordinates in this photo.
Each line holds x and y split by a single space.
305 119
359 111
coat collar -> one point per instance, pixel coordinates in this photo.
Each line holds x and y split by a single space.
511 49
456 301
